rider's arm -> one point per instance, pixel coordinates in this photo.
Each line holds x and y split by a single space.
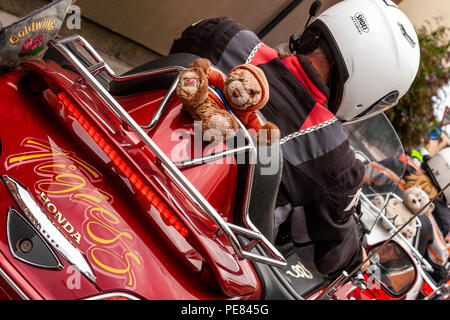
330 194
223 41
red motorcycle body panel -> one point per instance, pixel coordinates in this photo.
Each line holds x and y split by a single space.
130 249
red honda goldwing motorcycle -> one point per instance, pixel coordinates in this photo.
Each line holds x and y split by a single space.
108 192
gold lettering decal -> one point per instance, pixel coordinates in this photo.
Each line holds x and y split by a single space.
17 160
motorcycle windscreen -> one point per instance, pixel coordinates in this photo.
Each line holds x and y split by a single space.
378 146
27 38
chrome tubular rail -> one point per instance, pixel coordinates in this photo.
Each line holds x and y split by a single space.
13 285
170 168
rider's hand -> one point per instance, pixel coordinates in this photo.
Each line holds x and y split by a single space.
367 263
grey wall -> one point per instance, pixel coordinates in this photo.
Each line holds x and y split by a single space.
155 23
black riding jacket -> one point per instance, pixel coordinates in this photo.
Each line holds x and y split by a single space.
320 171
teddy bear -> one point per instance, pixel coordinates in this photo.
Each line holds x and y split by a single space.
245 90
399 212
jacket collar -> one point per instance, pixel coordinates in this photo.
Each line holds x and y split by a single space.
301 67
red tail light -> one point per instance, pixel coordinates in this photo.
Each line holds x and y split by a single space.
123 168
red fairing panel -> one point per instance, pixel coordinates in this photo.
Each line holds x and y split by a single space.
128 248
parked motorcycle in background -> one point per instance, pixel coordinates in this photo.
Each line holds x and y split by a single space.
398 270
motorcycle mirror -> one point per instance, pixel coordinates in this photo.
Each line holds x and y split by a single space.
393 269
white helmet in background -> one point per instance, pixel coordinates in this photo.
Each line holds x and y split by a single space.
439 171
373 51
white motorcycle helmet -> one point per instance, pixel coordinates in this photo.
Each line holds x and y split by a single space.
373 51
438 168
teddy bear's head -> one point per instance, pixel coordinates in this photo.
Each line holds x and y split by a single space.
415 198
246 88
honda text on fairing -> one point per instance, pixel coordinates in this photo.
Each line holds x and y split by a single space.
107 193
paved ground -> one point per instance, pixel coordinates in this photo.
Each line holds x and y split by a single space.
6 18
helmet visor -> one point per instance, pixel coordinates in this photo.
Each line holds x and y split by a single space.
385 103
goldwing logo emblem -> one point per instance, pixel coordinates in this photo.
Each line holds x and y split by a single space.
362 24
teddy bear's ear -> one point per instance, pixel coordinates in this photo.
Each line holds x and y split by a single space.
201 63
431 207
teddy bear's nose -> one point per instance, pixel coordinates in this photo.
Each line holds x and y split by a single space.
236 93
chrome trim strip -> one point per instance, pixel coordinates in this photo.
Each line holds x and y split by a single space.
211 157
113 294
166 164
46 228
13 285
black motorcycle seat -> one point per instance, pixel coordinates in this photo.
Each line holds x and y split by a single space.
161 81
128 87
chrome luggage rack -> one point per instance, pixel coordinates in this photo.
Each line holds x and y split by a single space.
251 233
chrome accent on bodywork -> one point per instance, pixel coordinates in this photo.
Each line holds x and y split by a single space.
112 295
154 121
46 228
166 164
13 285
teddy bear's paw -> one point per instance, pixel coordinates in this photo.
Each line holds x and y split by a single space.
192 88
218 128
409 232
268 135
190 83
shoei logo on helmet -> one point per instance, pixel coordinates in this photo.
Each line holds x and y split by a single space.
361 23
